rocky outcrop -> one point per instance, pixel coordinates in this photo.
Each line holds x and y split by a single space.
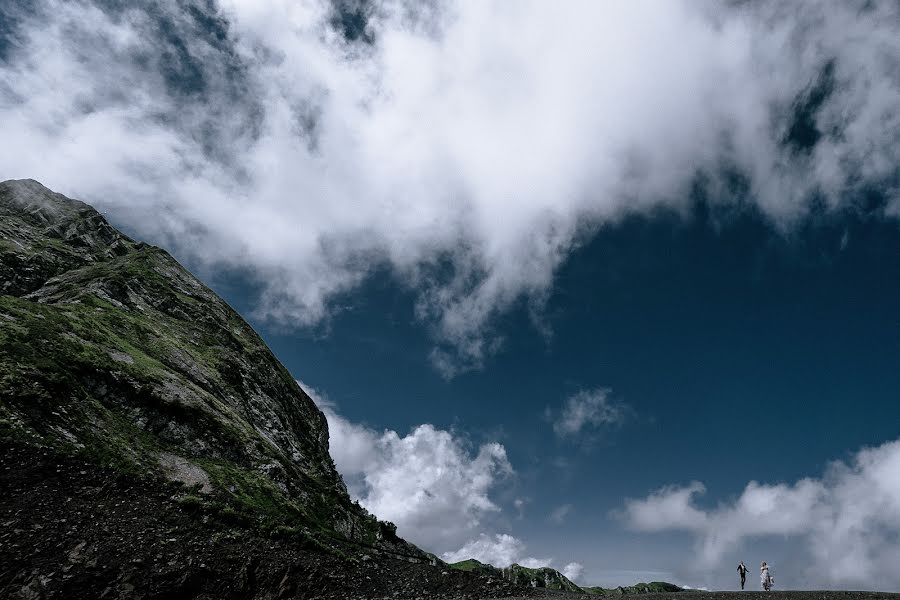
112 351
44 234
540 577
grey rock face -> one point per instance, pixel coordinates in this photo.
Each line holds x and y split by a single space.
44 234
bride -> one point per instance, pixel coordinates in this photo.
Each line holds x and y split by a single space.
764 577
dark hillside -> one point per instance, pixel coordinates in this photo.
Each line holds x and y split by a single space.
110 349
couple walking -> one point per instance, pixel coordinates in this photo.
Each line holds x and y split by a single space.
764 577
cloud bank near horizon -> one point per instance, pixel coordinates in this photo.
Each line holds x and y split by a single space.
848 519
500 550
467 147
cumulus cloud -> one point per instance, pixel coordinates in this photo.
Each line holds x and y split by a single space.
849 518
502 550
466 146
587 408
427 482
499 550
572 571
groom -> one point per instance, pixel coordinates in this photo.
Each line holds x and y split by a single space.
742 569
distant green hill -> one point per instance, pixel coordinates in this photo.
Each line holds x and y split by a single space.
551 579
541 577
474 566
639 588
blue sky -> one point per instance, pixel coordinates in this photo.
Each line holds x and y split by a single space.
736 351
607 286
699 332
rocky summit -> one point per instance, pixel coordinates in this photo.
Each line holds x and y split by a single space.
151 444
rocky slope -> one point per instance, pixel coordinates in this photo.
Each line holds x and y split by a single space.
73 530
110 348
118 363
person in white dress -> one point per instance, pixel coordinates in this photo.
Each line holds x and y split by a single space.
764 577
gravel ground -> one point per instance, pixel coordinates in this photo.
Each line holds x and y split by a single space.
747 595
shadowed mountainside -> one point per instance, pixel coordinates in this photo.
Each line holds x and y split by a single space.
111 349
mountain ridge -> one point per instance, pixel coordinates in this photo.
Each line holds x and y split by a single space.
551 579
147 338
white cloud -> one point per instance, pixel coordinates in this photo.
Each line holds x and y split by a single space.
559 514
587 408
502 550
499 550
849 519
535 563
427 482
572 571
468 149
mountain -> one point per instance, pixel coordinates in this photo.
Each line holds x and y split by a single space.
474 566
551 579
654 587
151 441
540 577
111 349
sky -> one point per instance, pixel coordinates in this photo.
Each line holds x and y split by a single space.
610 287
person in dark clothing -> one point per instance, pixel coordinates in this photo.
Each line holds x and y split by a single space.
742 569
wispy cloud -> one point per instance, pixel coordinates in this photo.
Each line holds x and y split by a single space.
587 409
519 504
466 146
559 514
849 518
